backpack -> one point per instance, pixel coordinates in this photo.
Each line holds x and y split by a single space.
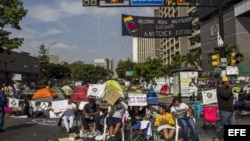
2 99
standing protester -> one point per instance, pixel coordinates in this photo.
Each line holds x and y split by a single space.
3 102
225 105
192 89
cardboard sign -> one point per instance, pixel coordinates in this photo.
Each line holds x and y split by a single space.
60 105
137 99
112 96
209 96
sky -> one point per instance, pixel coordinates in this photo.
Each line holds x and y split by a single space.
80 33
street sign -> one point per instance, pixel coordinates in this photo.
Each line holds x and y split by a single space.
223 62
147 2
129 73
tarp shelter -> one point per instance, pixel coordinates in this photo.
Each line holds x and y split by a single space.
67 89
79 94
244 69
59 92
44 94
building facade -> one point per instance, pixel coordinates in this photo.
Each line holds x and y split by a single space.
105 63
145 48
177 45
236 15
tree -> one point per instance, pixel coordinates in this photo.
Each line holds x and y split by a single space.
11 13
124 66
90 73
192 59
43 62
58 71
176 61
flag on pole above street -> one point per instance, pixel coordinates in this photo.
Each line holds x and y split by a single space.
219 40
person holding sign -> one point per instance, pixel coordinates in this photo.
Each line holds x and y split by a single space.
165 122
114 118
91 112
183 113
69 115
138 114
225 105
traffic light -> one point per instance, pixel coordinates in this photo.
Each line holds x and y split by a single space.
114 1
216 60
235 59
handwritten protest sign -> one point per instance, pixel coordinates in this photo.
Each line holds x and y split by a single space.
60 105
137 99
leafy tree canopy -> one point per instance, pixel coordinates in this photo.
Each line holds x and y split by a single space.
11 13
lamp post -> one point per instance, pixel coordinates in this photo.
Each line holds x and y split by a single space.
5 70
30 70
50 46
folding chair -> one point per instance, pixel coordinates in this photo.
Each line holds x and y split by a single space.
136 133
177 129
210 116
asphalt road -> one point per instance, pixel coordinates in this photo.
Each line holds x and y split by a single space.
33 129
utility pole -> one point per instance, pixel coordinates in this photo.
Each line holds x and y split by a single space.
221 33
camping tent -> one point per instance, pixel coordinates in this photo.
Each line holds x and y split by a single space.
79 94
44 94
67 89
112 84
59 92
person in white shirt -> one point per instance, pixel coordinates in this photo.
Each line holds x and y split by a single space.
69 115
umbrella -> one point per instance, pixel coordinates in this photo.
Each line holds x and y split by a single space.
46 94
67 89
79 94
59 92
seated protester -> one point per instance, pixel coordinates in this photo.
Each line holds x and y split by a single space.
69 115
91 113
114 119
136 113
183 113
137 118
165 122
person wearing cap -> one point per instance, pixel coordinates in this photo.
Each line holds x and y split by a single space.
225 105
91 113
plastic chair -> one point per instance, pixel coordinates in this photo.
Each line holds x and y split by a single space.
197 109
105 130
210 116
177 129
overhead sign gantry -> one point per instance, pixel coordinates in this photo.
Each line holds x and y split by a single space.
134 3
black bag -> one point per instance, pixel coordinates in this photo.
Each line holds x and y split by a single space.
60 121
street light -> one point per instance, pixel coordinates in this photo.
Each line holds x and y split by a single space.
5 70
30 70
51 45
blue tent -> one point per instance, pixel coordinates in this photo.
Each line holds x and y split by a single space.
152 98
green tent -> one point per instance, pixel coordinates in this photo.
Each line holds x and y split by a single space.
60 93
